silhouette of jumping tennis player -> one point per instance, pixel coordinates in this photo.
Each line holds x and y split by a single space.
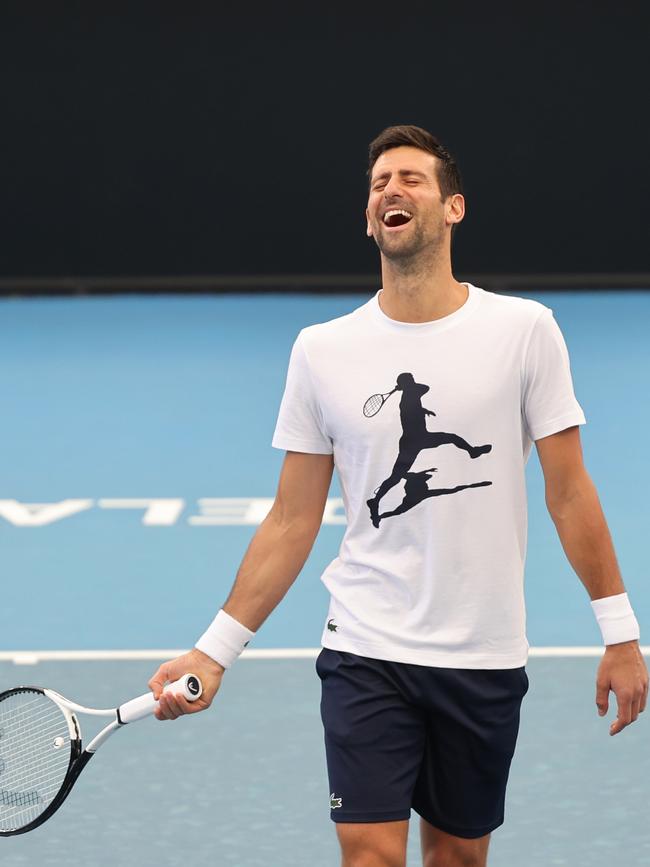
415 437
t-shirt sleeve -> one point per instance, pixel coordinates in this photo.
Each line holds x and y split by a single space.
300 427
549 403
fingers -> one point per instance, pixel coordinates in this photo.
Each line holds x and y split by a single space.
602 697
172 705
630 705
617 726
628 712
157 682
623 671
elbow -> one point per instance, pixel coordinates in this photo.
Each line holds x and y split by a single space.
296 526
561 498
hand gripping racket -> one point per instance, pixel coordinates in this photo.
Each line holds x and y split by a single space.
41 755
375 402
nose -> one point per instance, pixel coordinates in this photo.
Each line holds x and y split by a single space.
392 188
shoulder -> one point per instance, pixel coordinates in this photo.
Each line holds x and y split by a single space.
513 311
514 305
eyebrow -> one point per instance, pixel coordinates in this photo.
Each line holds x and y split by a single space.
402 172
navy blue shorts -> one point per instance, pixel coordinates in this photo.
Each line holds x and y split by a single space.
401 736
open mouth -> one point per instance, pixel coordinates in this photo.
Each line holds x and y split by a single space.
396 217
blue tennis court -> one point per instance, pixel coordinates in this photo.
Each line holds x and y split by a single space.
137 466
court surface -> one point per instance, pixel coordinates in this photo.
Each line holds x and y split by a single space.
137 463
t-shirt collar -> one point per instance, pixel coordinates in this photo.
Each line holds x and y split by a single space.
435 325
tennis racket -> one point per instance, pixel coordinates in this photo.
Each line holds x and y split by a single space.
375 402
41 754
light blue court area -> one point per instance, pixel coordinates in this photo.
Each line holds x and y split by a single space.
244 784
136 465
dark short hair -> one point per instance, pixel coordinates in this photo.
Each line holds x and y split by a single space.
414 136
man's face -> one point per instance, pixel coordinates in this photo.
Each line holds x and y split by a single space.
404 179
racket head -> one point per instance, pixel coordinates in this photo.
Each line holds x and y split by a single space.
373 405
40 752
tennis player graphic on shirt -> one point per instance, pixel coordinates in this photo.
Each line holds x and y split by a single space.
415 437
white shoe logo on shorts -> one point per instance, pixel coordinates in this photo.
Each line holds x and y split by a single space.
335 803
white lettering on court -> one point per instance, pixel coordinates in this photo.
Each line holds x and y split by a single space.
236 511
158 512
40 514
334 511
161 512
232 510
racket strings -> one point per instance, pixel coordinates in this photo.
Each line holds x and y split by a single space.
26 735
24 801
29 764
34 757
33 751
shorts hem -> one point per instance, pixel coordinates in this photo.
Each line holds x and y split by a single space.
468 833
394 816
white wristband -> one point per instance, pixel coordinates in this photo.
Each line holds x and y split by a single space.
224 639
616 619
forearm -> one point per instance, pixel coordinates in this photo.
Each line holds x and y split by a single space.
271 564
586 540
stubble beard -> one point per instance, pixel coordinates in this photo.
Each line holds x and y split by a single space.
414 253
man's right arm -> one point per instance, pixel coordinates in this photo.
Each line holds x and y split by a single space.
271 564
281 545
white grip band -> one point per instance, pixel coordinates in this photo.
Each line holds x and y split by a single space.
616 619
224 639
189 685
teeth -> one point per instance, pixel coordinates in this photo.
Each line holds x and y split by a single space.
397 211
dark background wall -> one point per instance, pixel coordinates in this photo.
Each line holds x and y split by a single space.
206 138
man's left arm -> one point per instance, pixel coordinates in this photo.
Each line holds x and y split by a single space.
574 506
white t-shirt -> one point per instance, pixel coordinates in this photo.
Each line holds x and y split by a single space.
438 578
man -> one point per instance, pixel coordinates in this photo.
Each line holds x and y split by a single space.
423 666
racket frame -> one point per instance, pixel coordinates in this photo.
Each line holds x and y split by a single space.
384 398
69 707
79 758
135 709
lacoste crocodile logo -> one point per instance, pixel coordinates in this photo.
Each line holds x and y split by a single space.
333 627
335 802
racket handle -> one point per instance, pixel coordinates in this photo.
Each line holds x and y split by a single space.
144 705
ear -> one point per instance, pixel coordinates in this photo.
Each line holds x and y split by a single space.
456 208
368 227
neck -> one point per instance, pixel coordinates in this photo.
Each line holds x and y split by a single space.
420 289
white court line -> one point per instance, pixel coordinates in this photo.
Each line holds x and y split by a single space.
33 657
